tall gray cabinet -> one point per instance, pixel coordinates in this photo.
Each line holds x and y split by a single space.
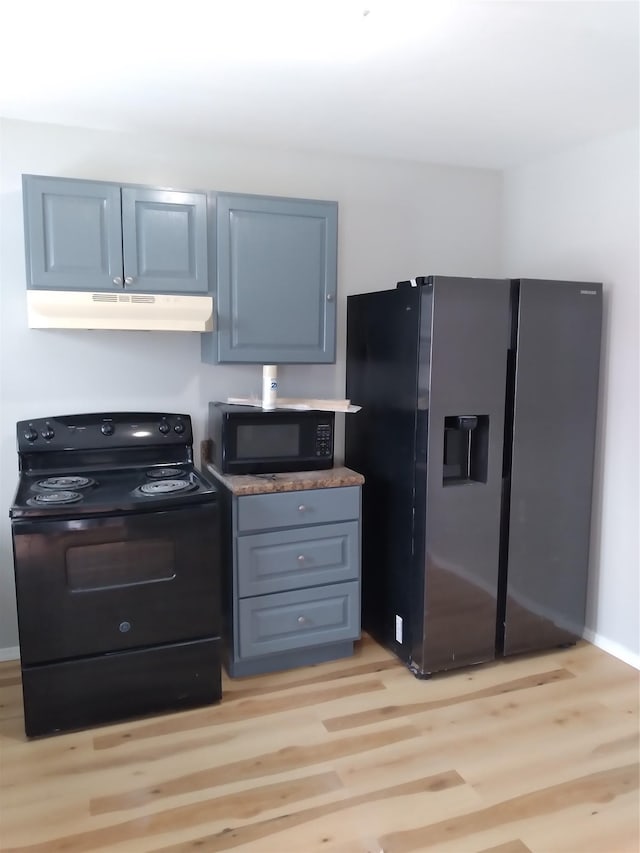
276 278
94 235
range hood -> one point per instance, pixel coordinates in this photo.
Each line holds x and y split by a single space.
62 309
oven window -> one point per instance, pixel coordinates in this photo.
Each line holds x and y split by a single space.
267 440
118 564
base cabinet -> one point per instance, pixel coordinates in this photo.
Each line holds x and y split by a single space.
293 578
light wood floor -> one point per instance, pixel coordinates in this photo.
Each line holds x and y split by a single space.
537 754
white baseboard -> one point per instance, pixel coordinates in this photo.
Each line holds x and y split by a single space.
10 653
612 648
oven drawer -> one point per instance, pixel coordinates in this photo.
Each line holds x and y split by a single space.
296 558
90 691
289 509
299 619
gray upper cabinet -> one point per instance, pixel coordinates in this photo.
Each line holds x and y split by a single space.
164 240
276 262
73 233
83 235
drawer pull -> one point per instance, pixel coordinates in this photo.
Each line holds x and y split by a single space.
301 508
302 620
301 558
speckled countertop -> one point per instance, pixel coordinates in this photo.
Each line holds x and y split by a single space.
259 484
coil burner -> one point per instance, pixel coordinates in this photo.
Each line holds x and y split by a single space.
165 487
65 483
55 498
165 473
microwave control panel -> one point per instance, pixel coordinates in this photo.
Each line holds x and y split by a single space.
324 440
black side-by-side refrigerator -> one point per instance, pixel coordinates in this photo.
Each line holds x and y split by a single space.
476 439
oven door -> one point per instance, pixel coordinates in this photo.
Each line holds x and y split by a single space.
95 585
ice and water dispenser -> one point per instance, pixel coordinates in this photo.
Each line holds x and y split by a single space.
466 449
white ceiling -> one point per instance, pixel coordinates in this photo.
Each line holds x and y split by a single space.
475 82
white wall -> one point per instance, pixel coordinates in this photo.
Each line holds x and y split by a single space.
575 216
396 220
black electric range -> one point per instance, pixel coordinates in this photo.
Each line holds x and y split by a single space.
117 566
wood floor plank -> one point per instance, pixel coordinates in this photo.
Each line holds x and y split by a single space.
282 761
593 788
515 846
238 806
261 830
231 712
246 689
349 721
595 829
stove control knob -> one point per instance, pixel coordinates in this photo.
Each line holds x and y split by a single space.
31 434
107 429
164 427
47 432
179 428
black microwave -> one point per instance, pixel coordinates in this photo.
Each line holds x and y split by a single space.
249 440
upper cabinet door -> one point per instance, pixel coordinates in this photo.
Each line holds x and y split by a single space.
164 235
72 234
276 280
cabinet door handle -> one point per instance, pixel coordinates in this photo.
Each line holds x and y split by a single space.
118 280
329 297
301 620
301 508
301 558
128 279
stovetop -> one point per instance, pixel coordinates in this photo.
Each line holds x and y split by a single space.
109 491
102 464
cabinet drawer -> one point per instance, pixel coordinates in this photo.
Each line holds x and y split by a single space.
297 558
294 620
289 509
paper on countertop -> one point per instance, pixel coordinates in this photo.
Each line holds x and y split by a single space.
299 403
